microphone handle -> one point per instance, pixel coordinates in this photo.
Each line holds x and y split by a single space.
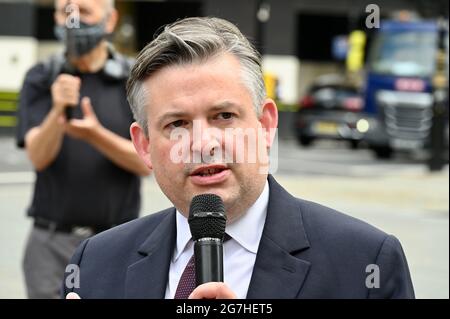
69 112
208 254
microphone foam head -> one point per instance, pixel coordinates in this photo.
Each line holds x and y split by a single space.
207 217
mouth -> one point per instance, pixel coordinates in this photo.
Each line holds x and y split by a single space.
211 174
208 170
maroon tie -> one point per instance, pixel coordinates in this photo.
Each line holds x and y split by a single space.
187 281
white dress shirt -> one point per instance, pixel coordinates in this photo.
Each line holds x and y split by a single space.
239 253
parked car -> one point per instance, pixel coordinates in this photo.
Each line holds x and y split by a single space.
331 109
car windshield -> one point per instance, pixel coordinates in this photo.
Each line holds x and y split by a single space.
404 53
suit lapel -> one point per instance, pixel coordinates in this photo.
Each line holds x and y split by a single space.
278 273
147 278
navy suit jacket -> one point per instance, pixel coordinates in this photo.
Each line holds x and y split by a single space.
306 251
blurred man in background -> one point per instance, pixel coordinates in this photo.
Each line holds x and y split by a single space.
87 170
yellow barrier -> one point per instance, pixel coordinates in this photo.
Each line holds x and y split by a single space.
8 108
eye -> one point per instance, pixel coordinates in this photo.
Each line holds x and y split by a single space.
225 115
177 123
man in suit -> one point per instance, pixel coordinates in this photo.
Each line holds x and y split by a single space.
200 79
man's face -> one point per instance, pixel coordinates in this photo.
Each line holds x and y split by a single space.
91 11
209 98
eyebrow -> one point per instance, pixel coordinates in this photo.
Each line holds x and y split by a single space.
215 108
224 105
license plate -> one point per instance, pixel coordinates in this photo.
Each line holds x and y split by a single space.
406 144
327 128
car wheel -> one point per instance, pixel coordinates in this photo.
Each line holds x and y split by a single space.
305 141
383 152
354 144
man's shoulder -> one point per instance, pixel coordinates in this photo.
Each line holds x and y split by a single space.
341 248
318 220
105 258
336 228
42 73
131 234
38 73
143 225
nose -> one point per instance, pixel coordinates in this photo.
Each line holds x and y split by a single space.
206 139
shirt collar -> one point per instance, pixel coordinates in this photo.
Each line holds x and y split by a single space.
183 234
253 219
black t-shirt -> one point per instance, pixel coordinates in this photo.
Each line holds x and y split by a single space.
81 186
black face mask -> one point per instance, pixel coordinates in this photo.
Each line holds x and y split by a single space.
82 40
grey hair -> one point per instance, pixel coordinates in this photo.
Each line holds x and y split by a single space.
109 4
188 41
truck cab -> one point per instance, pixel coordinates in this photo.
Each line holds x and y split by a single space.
398 88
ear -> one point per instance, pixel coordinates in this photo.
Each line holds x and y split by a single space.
111 23
141 143
269 120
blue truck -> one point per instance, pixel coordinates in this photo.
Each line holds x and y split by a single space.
398 93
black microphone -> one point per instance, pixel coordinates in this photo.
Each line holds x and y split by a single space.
207 222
